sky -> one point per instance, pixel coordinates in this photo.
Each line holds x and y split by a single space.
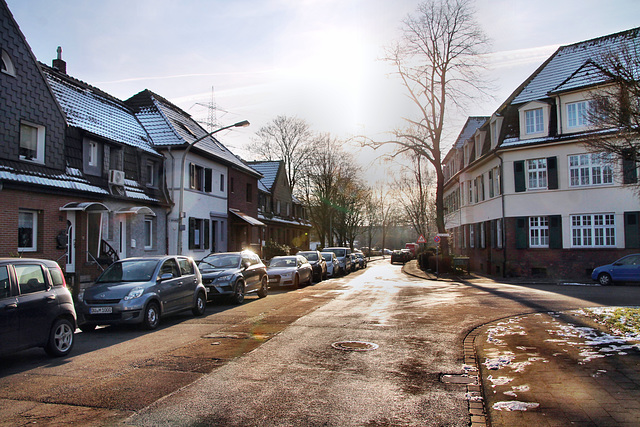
318 60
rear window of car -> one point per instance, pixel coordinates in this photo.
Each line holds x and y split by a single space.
186 266
57 276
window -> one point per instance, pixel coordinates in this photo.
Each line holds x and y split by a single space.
5 285
199 233
538 232
7 65
491 184
472 235
475 190
222 182
249 192
497 181
186 266
277 207
596 230
92 154
32 142
30 278
200 178
231 184
534 121
148 232
590 169
151 173
499 233
27 231
537 173
170 266
577 114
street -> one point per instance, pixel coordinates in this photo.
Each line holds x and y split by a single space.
270 362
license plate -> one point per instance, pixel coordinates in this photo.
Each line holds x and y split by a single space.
101 310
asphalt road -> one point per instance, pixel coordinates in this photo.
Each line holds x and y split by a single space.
270 362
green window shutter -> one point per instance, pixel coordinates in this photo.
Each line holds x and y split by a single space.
206 233
552 173
518 176
522 232
631 230
555 232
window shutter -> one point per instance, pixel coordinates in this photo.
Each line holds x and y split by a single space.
555 232
192 226
208 180
206 233
522 232
631 230
192 176
518 176
552 173
629 169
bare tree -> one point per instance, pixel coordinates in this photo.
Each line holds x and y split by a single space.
614 110
415 195
287 139
439 62
387 213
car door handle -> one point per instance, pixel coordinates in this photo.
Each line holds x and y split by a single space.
51 298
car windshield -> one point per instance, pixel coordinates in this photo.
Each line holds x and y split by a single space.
282 262
219 261
339 252
139 270
310 256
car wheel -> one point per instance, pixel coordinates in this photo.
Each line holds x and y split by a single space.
605 279
200 305
325 275
60 338
264 287
151 318
296 281
238 293
87 327
310 281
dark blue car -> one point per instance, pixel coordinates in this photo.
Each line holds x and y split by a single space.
626 269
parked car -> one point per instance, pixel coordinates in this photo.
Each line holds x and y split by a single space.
362 261
354 262
290 270
234 274
141 291
318 264
626 269
344 258
36 308
333 266
398 256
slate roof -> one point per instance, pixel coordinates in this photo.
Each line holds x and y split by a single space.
269 171
97 112
470 127
170 126
568 59
72 179
588 74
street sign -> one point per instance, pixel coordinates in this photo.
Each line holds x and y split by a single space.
436 239
443 235
421 239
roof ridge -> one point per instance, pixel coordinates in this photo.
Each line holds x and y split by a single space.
633 31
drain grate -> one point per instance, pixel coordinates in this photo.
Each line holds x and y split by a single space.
354 345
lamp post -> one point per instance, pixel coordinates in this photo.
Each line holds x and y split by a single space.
181 213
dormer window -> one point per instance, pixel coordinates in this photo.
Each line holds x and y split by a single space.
577 114
534 121
7 65
32 142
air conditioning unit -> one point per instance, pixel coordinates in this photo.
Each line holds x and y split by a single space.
116 177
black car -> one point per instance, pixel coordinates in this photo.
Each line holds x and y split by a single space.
234 274
36 308
318 264
398 256
141 291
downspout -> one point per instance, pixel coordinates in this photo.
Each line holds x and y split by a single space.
504 221
166 195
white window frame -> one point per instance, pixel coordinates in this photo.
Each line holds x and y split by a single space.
40 141
586 170
593 230
8 64
151 173
34 230
472 235
538 232
534 121
537 174
148 232
93 154
577 114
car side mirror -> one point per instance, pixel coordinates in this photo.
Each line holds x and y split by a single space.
165 276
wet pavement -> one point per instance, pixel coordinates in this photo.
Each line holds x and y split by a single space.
550 369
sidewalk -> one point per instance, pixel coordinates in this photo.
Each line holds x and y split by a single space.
550 369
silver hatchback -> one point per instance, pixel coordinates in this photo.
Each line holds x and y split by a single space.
141 290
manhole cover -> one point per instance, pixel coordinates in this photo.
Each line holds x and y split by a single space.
354 345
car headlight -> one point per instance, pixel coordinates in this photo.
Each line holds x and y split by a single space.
81 295
225 278
286 275
134 293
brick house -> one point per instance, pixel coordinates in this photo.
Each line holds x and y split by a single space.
245 230
284 216
524 195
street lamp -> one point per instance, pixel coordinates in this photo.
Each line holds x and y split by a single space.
181 214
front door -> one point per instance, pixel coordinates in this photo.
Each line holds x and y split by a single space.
71 242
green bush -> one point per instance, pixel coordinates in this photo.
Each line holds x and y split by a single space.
272 249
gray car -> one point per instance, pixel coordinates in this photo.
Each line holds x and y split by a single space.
234 274
141 291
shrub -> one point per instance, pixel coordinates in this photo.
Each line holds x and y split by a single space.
272 249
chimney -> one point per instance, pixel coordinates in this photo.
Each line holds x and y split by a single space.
58 63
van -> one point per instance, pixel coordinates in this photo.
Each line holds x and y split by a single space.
344 258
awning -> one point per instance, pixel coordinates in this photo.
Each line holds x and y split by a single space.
247 218
85 206
137 210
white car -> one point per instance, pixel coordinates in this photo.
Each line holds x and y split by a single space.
333 266
291 270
